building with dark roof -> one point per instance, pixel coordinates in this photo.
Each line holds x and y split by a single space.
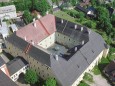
57 48
109 71
5 80
16 67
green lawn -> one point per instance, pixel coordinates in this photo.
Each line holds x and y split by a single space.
64 15
99 68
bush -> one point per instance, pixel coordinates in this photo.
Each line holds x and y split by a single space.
50 82
31 77
90 24
88 77
96 70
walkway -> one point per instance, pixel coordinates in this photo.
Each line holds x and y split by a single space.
99 81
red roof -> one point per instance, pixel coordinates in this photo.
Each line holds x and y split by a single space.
45 26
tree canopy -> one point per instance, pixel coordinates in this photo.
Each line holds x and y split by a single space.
50 82
31 77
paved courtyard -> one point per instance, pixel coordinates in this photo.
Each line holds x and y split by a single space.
99 81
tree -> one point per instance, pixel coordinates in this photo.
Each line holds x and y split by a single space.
42 6
50 82
73 2
27 16
31 77
103 19
113 20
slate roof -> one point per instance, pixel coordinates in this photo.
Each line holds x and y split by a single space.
79 62
34 52
2 62
5 80
15 65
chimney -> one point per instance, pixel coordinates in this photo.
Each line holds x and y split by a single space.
62 21
25 38
81 28
82 42
38 16
75 49
34 22
56 57
47 12
89 31
75 26
32 42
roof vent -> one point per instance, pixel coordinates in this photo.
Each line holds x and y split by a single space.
75 26
81 28
75 49
56 57
62 21
83 42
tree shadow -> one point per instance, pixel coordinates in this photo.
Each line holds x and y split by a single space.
21 78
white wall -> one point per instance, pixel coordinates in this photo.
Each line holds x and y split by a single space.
9 15
15 76
65 40
47 42
60 38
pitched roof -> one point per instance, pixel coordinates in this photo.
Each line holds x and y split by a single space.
5 80
42 30
16 64
79 62
2 62
34 52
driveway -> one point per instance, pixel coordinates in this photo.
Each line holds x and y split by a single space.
99 81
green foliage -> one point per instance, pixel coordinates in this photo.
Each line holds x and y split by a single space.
73 2
42 6
88 77
82 83
31 77
90 24
50 82
94 2
96 70
113 20
103 19
27 16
